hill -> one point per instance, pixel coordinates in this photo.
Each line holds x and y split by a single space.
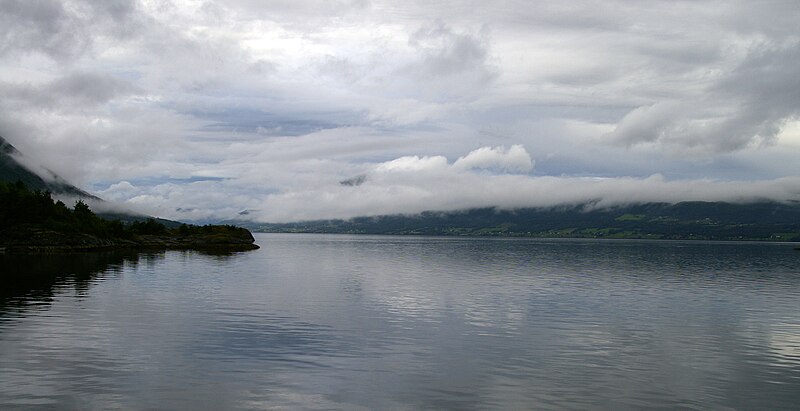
30 221
11 170
686 220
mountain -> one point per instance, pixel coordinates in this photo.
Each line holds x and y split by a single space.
12 170
32 222
686 220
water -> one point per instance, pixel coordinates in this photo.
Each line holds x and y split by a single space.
361 322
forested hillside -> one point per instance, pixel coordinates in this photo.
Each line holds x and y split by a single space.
32 221
686 220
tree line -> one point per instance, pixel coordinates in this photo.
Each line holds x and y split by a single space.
21 206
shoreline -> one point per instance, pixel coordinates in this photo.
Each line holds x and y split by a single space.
44 241
69 249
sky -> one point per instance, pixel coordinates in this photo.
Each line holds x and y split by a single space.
278 111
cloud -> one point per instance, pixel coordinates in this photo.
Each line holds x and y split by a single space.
447 190
747 106
282 101
74 91
447 52
515 159
413 163
498 159
648 124
430 185
452 64
42 26
89 88
412 192
62 30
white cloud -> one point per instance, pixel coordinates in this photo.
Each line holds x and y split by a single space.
749 105
281 101
413 163
515 159
449 189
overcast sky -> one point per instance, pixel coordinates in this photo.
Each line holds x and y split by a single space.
204 109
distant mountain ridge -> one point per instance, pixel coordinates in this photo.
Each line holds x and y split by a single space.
684 220
771 221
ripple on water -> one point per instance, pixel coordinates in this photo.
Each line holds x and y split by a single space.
359 322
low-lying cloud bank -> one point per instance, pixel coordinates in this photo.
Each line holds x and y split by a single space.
414 194
310 109
410 185
487 177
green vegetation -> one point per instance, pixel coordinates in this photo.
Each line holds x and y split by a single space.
630 217
22 208
769 221
32 221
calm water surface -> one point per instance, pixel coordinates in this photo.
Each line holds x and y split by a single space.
359 322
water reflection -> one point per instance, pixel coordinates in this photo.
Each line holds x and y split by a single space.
30 279
344 322
563 324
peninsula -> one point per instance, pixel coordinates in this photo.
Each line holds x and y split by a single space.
31 221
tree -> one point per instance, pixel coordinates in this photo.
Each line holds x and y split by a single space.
82 211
